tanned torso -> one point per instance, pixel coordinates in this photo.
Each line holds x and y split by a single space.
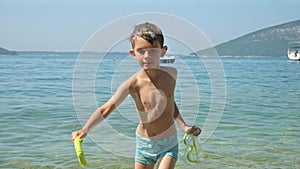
153 93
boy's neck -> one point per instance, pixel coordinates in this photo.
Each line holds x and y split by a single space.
153 73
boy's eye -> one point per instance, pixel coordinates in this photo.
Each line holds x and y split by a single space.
142 51
152 51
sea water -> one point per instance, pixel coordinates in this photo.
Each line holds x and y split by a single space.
259 127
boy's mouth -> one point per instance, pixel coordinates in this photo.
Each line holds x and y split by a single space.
147 63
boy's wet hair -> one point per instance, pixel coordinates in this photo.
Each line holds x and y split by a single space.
149 32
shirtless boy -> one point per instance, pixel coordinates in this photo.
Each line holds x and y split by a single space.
152 89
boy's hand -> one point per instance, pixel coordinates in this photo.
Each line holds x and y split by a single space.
80 133
192 130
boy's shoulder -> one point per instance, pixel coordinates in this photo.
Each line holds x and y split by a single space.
170 70
134 79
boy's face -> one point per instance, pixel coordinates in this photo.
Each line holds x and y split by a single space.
147 55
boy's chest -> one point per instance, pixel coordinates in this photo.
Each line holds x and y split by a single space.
156 95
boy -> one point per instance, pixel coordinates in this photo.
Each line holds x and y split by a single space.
152 89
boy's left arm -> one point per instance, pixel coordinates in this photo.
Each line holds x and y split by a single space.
184 127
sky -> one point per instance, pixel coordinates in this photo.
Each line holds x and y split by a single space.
65 25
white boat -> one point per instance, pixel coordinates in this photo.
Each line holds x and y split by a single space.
167 59
293 52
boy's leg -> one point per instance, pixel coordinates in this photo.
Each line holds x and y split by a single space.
138 165
166 162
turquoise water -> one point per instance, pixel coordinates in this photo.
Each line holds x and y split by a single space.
259 128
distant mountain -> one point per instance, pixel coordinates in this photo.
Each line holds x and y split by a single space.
7 52
46 53
271 41
55 53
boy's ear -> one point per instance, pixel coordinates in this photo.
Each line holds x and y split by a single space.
164 50
131 51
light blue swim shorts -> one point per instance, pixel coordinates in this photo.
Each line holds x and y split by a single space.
148 151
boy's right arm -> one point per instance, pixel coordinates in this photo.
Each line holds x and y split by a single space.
102 112
184 127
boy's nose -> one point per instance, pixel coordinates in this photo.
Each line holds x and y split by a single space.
146 54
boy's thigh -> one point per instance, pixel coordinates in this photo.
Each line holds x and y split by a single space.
166 162
138 165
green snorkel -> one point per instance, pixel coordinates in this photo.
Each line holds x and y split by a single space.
192 148
79 152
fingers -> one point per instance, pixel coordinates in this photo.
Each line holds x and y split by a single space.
74 135
78 133
82 134
194 130
197 131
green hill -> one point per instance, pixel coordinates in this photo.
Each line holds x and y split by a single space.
7 52
271 41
